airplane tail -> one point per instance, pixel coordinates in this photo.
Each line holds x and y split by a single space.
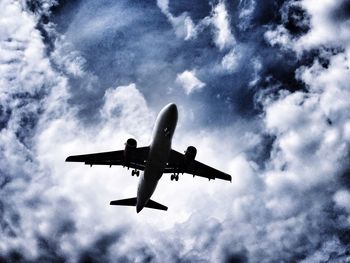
133 201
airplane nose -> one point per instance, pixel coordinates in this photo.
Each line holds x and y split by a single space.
172 106
172 109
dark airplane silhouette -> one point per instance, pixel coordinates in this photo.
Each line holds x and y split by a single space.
154 160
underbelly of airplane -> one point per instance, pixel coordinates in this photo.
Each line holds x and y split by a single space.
145 190
153 172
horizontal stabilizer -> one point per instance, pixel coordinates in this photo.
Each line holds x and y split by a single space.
126 202
155 205
133 201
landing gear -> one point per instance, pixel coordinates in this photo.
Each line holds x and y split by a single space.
175 177
135 172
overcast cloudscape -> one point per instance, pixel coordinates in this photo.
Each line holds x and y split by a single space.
263 92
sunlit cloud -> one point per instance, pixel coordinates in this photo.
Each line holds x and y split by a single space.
189 81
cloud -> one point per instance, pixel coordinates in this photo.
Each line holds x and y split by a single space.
342 198
289 162
189 81
183 24
127 107
26 79
326 28
279 36
230 61
220 20
313 23
309 129
246 13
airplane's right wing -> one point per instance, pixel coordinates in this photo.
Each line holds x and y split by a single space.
137 158
176 164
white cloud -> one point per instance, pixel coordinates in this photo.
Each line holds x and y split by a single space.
330 247
342 199
230 61
244 177
312 142
220 20
183 24
279 36
257 68
189 81
127 108
247 8
69 60
26 77
21 52
326 28
311 145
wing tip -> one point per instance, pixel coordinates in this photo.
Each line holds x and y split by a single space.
228 178
69 159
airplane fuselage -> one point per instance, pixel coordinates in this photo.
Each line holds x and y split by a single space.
158 155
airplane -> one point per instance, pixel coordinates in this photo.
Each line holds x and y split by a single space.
154 161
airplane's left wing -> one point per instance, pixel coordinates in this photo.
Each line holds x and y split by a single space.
136 160
176 164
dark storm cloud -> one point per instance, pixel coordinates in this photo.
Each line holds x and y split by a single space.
98 251
342 11
125 47
4 116
276 65
125 51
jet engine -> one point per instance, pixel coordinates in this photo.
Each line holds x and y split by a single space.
130 146
190 154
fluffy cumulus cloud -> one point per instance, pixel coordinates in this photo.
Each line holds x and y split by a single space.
268 86
189 81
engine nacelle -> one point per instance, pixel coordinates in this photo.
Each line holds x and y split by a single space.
130 146
190 154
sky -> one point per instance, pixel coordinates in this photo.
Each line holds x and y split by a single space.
262 89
